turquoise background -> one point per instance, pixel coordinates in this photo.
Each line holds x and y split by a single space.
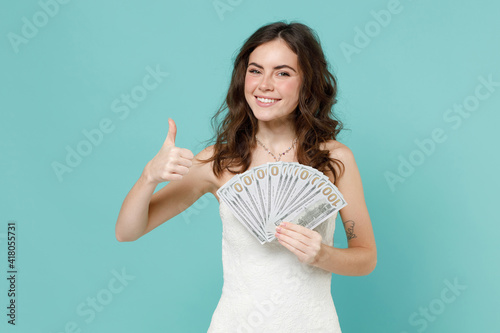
439 224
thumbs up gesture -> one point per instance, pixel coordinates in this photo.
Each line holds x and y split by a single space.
171 162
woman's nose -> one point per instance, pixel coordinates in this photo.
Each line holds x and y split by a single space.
266 83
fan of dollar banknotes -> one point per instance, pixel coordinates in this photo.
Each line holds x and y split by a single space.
264 196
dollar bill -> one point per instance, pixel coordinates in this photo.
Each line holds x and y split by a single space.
266 195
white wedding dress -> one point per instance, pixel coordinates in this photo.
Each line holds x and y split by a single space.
267 289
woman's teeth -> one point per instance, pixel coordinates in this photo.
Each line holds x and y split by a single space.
266 100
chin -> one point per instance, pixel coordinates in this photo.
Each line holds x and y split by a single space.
265 118
262 114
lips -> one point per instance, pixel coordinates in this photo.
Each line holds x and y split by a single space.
266 101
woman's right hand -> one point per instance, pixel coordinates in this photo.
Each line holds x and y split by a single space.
171 162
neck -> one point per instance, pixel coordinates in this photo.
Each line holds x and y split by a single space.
277 137
276 134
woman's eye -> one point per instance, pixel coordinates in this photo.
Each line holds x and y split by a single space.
256 71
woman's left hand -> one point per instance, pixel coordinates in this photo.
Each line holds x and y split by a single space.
303 242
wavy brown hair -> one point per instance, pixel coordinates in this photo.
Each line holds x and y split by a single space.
313 118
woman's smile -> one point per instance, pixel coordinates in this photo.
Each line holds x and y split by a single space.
266 102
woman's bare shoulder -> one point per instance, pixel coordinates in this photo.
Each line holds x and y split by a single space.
205 153
338 150
200 160
206 170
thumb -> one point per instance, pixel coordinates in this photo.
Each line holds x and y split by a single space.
172 131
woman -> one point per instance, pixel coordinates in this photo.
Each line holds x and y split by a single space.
279 109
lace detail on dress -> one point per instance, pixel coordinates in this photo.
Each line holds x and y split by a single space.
267 289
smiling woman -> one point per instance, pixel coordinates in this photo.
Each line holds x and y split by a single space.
278 108
272 90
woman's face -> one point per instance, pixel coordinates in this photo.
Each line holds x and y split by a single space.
272 81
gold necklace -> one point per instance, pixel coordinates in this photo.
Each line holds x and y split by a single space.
279 155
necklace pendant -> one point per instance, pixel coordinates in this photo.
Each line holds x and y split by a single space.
279 154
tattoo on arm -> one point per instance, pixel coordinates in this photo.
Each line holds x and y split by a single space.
349 229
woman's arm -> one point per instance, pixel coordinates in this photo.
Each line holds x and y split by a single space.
142 211
133 216
360 258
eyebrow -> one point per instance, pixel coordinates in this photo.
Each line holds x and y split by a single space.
277 67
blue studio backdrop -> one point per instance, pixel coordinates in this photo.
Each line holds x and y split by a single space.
87 88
